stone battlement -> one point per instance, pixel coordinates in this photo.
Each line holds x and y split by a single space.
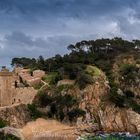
12 90
5 72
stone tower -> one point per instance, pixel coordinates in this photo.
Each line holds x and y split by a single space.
6 90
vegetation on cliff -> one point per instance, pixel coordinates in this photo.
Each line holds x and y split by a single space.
60 106
119 59
2 123
4 136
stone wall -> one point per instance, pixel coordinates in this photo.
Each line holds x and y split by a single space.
10 93
65 82
38 73
23 95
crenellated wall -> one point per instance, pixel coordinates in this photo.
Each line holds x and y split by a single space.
9 94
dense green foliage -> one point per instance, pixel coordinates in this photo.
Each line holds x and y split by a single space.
75 113
116 98
84 52
83 79
34 113
52 78
128 72
61 105
2 123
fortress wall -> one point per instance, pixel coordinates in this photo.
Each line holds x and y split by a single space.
9 95
6 88
38 73
24 95
34 81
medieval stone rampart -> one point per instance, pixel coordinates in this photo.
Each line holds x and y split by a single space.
10 94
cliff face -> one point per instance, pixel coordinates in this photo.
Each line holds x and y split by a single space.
126 72
15 116
105 113
99 109
93 99
115 119
108 117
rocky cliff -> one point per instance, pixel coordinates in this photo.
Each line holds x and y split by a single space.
110 106
16 116
104 113
109 116
114 119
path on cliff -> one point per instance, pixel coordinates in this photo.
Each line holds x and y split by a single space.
45 84
10 106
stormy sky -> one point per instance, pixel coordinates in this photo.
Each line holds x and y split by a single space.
46 27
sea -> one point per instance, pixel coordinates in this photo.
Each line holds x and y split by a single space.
112 136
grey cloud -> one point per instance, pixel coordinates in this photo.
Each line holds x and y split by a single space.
19 44
46 27
66 8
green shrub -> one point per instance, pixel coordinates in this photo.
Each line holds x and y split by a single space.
53 108
75 113
128 71
83 79
2 123
93 70
61 115
38 86
33 111
52 78
66 100
64 87
135 106
7 137
60 102
72 70
116 98
55 79
44 98
129 94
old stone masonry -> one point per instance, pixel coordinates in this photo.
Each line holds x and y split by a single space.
16 86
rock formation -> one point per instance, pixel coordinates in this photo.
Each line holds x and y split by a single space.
16 115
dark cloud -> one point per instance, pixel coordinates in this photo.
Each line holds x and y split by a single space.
45 27
66 8
19 44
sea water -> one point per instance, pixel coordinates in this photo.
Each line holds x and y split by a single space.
112 136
